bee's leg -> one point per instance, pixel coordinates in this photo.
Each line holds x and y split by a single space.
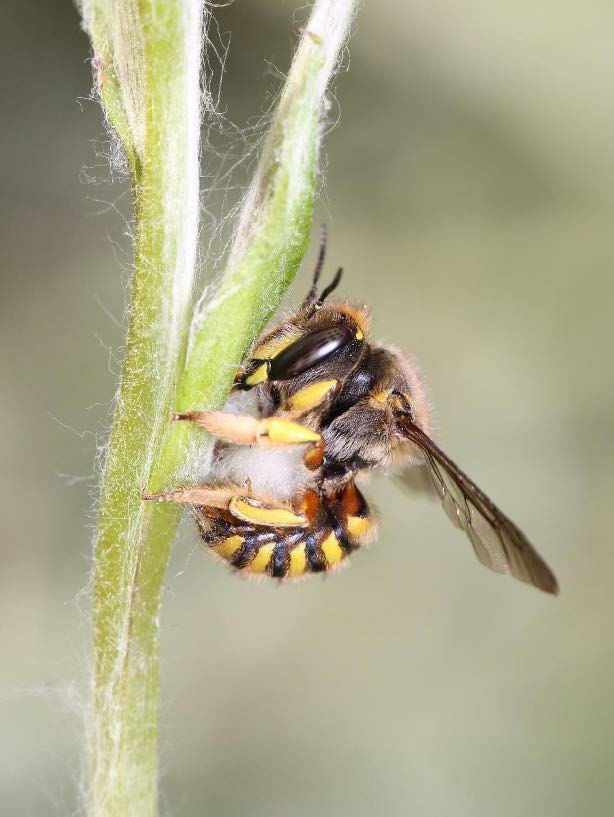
269 431
213 496
231 498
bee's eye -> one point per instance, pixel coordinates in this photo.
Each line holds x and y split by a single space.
308 351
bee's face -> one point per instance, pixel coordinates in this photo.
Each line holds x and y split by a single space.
319 367
330 340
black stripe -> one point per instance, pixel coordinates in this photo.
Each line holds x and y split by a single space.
212 531
280 563
244 555
315 557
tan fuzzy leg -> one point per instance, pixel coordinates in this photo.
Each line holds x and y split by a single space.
210 495
231 498
245 430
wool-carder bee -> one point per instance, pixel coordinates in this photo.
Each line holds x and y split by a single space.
332 408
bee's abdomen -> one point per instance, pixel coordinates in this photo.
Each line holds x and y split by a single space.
336 529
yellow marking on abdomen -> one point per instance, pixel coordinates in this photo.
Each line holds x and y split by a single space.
262 559
358 526
228 547
332 549
298 561
310 396
260 514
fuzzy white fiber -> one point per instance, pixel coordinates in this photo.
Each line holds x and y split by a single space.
270 472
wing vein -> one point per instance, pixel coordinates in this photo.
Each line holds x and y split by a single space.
496 540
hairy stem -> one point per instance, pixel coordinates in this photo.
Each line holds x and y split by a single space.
147 56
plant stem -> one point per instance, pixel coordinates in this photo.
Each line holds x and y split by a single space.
147 56
148 59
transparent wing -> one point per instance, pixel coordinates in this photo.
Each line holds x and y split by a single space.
498 543
417 480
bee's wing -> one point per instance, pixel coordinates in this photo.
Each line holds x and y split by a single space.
498 543
417 479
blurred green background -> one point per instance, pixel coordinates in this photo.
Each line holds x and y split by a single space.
470 197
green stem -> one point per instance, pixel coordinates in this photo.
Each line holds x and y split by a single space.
147 56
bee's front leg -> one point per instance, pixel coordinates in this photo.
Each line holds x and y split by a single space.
242 429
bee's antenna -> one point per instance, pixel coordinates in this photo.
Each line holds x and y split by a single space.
317 305
311 295
330 288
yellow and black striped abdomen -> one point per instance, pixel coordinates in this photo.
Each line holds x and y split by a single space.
338 525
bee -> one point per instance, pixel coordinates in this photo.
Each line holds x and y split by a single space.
332 408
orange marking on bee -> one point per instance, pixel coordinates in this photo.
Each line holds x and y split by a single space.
351 500
310 505
360 314
314 457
